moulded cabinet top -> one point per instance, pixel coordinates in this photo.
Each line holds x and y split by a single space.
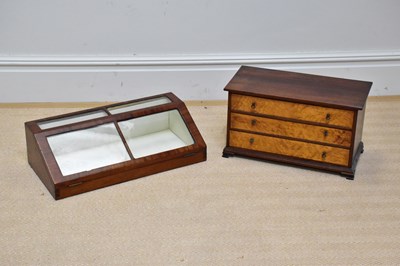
306 88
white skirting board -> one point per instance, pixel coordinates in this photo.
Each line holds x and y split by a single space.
104 79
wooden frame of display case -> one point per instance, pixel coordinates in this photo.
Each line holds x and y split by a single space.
98 147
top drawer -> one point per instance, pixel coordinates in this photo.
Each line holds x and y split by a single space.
297 111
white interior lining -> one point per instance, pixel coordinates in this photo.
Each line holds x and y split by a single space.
153 143
156 133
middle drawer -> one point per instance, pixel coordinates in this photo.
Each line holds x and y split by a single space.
291 129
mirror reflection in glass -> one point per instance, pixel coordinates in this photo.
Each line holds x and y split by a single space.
87 149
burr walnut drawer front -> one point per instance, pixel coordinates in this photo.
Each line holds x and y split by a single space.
291 110
294 148
300 131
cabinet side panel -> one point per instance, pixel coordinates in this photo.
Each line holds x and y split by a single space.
359 130
228 123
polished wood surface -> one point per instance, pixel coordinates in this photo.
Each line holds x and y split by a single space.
291 110
287 147
299 131
299 87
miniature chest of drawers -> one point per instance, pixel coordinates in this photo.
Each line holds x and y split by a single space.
300 119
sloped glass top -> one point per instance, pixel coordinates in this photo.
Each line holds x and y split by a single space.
71 119
138 105
90 148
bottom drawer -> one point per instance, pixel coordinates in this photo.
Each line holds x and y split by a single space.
292 148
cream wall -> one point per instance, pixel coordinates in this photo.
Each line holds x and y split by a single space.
91 50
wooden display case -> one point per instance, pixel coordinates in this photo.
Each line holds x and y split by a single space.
86 150
301 119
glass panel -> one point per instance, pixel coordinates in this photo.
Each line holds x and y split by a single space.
156 133
138 105
71 119
87 149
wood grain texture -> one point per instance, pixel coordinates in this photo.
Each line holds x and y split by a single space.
291 129
305 88
291 110
293 148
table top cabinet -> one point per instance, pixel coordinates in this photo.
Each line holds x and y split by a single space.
90 149
301 119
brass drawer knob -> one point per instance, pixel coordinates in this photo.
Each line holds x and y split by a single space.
323 155
328 117
326 133
253 122
251 140
253 105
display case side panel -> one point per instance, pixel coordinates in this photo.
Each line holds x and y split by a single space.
36 160
191 125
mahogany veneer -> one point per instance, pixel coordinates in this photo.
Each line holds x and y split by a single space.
300 119
86 150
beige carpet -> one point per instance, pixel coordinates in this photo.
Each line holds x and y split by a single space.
221 212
